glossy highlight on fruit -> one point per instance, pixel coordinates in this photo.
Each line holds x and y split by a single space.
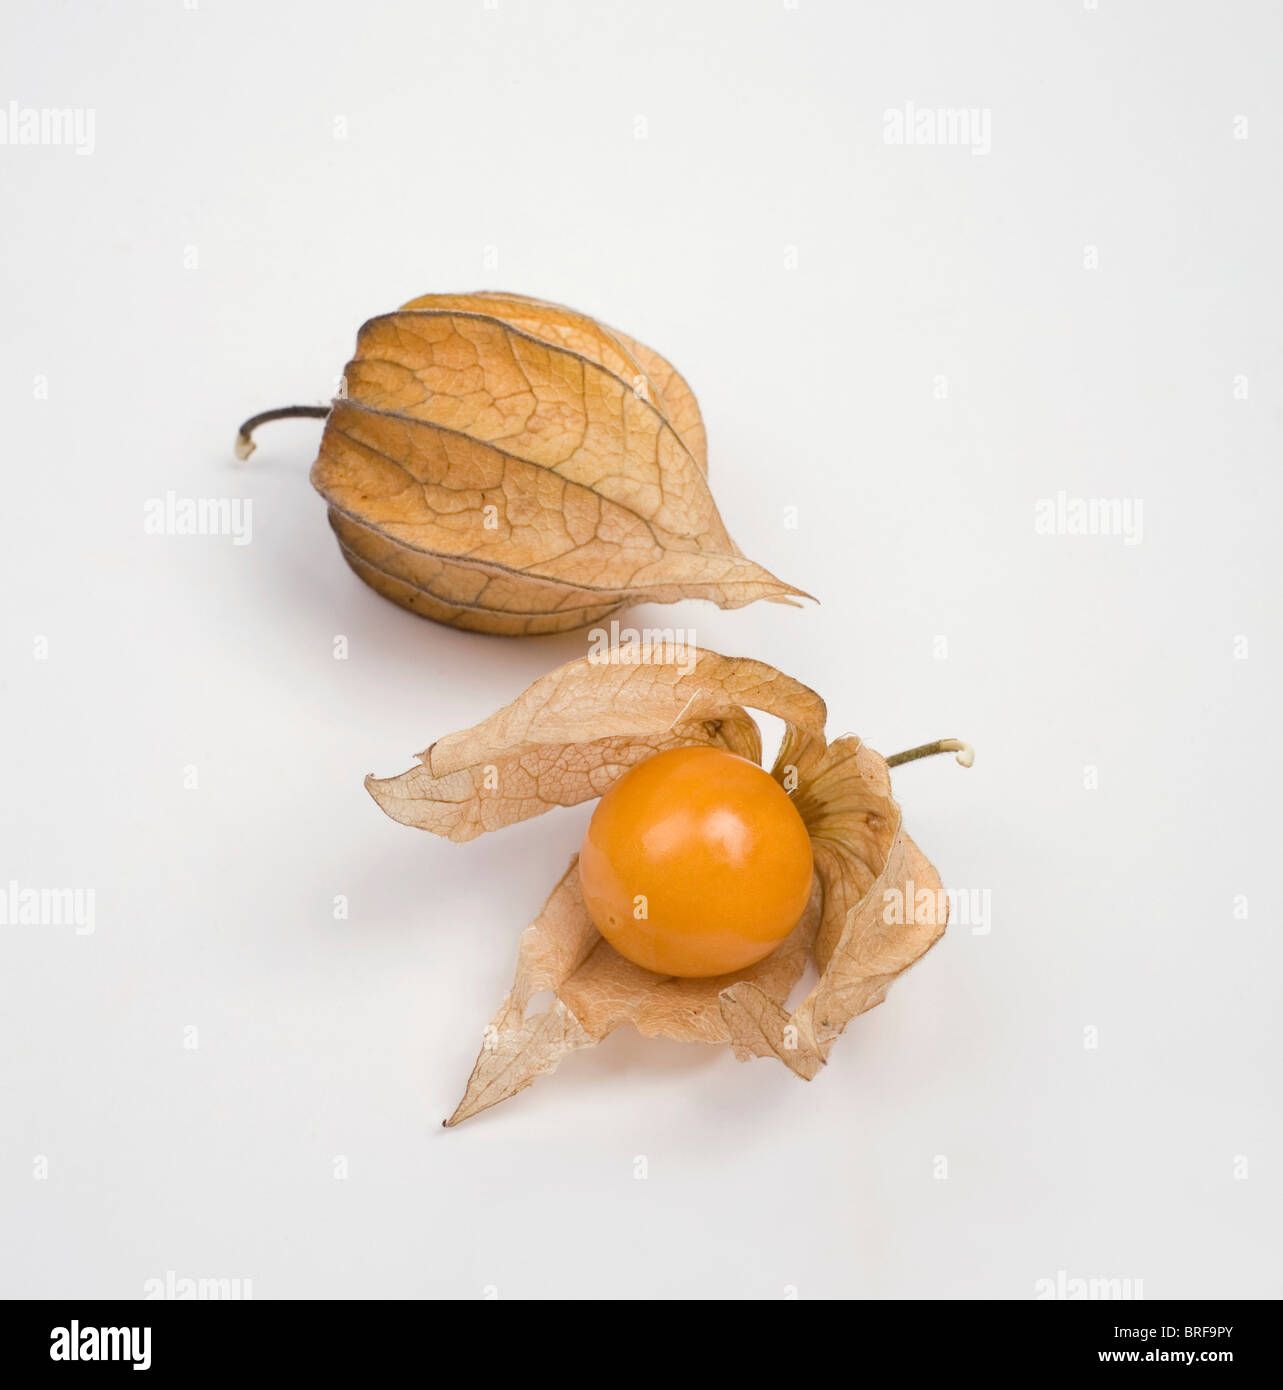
695 863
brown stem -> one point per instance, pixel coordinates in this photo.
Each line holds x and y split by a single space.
245 445
966 753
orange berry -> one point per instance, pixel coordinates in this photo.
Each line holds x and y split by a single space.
695 863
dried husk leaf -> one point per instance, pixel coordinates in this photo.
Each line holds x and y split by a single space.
596 989
644 368
565 740
511 466
575 730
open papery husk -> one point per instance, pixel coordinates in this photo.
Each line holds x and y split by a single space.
875 908
510 466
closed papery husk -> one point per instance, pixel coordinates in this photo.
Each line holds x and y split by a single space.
875 907
511 466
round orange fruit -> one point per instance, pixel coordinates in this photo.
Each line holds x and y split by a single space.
695 863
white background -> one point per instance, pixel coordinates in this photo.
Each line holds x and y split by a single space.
814 283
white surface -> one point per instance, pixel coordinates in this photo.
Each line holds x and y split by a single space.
514 128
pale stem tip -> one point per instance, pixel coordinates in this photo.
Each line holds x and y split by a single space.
966 753
245 445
